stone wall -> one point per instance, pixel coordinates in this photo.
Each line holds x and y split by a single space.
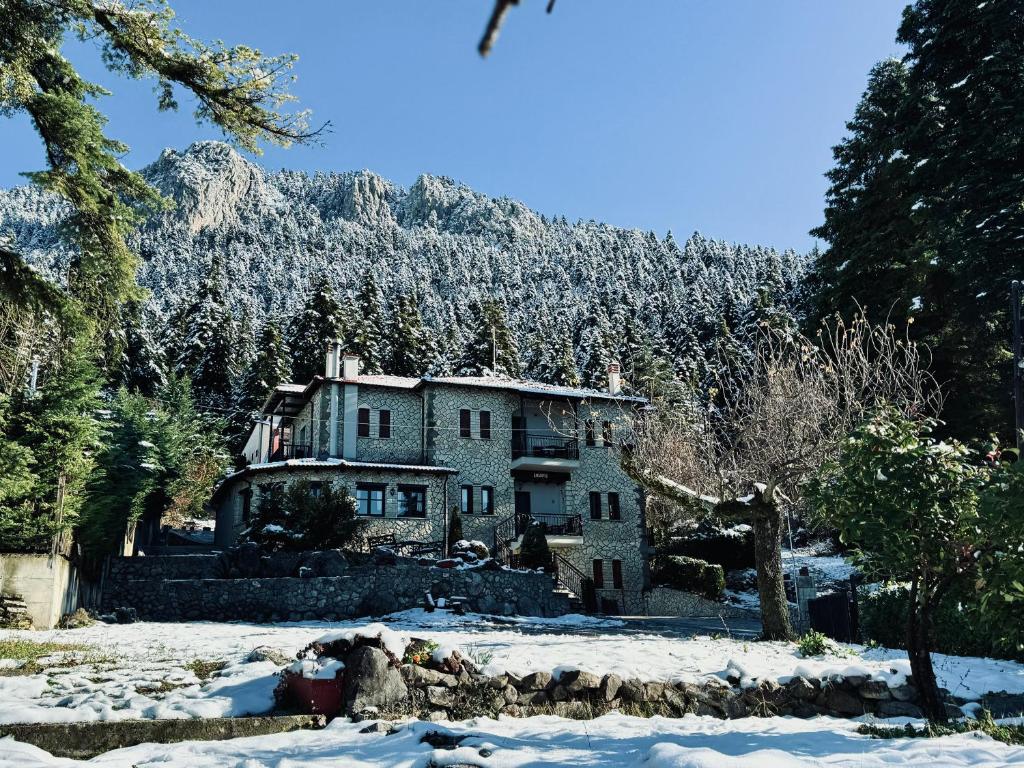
198 566
47 585
664 601
364 590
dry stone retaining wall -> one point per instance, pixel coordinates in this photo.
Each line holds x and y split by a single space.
372 589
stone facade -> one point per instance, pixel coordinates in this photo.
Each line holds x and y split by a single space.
372 589
664 601
422 441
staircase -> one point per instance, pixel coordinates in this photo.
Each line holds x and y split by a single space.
569 580
14 613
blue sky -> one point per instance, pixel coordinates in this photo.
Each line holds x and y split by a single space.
706 115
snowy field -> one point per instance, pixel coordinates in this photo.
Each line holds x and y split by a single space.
148 669
612 740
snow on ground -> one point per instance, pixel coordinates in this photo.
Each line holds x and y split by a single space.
611 740
144 668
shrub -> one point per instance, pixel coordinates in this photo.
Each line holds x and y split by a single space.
454 530
534 552
690 575
814 644
961 627
732 548
296 519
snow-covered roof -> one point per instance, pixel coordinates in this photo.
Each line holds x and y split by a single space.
381 380
526 386
291 388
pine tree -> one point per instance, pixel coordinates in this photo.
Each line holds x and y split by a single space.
366 338
206 355
492 349
413 348
595 349
141 369
558 366
269 368
312 330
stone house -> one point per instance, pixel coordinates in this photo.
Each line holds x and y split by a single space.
502 452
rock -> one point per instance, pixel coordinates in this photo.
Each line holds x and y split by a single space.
843 702
559 693
80 618
532 698
439 697
875 690
330 562
510 694
578 680
535 681
512 710
895 708
610 685
384 556
904 692
632 690
419 677
677 701
448 563
378 726
266 653
126 615
438 716
498 682
800 688
855 681
370 681
654 691
573 710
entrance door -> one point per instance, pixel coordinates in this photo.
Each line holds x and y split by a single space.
522 503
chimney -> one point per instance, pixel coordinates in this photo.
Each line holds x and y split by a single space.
614 382
350 367
333 360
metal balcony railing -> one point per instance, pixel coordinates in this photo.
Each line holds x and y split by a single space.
291 451
544 445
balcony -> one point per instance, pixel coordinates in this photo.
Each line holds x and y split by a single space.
286 451
559 529
544 450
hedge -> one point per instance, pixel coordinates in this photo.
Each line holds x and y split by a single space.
689 575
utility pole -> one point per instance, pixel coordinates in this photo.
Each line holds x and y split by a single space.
494 350
1018 359
34 376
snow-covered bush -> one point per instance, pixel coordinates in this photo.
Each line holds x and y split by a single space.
294 518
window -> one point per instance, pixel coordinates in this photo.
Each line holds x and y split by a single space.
412 501
485 425
606 433
617 574
613 507
316 489
384 424
487 500
363 429
589 426
598 574
370 500
246 504
465 425
595 505
467 499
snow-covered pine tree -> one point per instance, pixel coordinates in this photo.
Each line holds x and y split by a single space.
206 354
309 333
270 367
413 347
141 368
366 336
491 349
595 348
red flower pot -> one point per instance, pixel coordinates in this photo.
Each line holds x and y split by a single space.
312 697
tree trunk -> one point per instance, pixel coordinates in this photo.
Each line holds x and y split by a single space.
919 653
771 587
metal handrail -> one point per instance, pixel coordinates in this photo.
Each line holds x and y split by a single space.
289 450
544 445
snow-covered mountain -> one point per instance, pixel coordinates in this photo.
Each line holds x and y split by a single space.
439 239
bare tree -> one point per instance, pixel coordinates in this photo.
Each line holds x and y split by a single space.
773 415
497 18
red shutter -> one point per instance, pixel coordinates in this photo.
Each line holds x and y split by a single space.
384 425
617 574
465 425
595 505
598 574
364 423
485 425
613 507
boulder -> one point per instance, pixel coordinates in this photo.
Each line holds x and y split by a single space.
418 676
896 708
330 562
439 697
371 681
266 653
801 688
905 692
532 698
535 681
632 690
843 702
876 690
610 685
577 680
